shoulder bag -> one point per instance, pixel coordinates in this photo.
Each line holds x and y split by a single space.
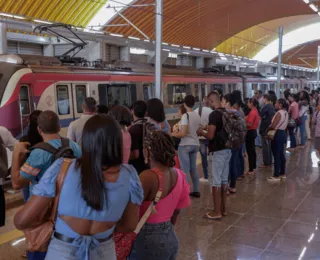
271 133
124 240
39 237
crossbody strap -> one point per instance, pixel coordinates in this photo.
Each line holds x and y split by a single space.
152 207
59 183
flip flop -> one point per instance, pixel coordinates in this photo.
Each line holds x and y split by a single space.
207 216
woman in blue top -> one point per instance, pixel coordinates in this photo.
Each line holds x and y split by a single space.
157 116
99 195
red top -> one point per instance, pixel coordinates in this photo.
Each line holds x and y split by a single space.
253 119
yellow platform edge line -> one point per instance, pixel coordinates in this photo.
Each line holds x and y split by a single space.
9 236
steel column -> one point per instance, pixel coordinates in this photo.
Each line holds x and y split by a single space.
318 71
158 63
279 62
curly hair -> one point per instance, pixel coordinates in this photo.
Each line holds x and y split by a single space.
161 147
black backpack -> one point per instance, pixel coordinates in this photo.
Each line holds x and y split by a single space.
64 151
234 129
4 172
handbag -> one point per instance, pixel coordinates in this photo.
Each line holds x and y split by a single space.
38 237
271 134
124 240
292 122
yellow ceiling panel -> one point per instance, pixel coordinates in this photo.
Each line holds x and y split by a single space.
250 41
75 12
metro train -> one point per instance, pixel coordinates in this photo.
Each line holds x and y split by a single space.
34 82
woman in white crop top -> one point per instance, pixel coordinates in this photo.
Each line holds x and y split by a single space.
279 123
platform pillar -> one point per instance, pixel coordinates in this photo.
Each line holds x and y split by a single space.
125 53
318 72
3 39
279 62
200 62
158 63
48 50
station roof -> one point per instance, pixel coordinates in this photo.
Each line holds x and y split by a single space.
304 55
75 12
210 24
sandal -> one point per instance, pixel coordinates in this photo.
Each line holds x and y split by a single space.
232 191
207 216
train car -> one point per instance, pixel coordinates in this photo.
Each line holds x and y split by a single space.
35 82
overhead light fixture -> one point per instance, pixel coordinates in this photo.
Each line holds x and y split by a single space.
40 21
175 45
7 15
134 38
99 32
306 1
165 43
18 17
196 49
313 7
187 47
116 35
165 49
187 53
146 40
205 50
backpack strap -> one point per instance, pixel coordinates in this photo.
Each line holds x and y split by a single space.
46 147
59 183
152 207
200 109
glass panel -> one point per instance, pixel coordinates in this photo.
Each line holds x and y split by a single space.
177 93
63 100
264 88
121 95
147 91
217 86
81 95
203 91
196 92
24 100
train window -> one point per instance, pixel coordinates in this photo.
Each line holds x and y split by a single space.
177 93
24 100
81 94
63 100
121 94
147 91
216 86
196 92
203 91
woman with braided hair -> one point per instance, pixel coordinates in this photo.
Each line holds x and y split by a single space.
157 239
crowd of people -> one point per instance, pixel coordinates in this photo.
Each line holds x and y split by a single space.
125 168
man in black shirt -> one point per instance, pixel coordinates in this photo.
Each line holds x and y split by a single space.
267 112
218 159
139 110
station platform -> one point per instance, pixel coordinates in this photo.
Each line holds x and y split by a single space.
265 221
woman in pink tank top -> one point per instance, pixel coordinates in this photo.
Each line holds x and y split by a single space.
157 240
123 115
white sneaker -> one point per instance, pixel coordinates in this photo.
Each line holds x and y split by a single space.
203 180
274 179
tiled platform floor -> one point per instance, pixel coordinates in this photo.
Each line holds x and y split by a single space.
265 221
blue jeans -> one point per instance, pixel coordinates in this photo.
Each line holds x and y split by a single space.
303 130
204 156
235 166
277 146
219 167
156 242
26 193
293 142
188 163
242 164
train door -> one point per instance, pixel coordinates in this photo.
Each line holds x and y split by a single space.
148 91
25 105
79 94
65 109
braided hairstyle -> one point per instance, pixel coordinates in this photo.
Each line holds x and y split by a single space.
161 146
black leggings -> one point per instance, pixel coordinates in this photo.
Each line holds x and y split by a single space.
2 207
251 149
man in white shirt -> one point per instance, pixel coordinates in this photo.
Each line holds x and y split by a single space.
7 141
204 111
76 127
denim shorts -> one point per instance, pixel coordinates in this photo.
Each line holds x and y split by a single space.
156 242
61 250
218 167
